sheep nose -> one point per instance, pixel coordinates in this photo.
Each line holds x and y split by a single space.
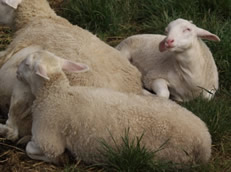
169 42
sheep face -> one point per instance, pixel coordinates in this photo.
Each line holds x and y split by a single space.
39 66
7 12
181 35
26 72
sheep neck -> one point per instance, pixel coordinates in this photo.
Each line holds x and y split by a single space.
28 10
191 61
54 84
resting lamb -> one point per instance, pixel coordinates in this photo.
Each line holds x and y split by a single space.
178 65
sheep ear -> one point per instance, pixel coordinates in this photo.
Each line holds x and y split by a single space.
70 66
29 60
204 34
162 46
41 71
13 3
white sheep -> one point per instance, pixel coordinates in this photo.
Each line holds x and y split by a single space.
76 117
36 25
7 12
178 65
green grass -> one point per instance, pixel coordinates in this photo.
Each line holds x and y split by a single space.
215 113
98 16
114 20
130 156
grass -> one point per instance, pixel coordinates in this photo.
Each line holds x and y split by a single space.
114 20
216 114
130 156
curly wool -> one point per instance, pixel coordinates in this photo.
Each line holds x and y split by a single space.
84 115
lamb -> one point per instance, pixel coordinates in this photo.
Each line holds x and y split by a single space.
36 26
76 117
179 65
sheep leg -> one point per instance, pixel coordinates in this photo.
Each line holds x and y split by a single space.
11 129
160 87
9 132
51 143
19 111
35 152
209 94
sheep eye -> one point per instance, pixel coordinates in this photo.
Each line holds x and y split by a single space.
166 30
187 30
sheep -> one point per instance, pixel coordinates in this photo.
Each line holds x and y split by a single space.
35 24
179 65
6 12
76 117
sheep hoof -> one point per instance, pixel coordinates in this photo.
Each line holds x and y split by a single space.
12 134
160 87
35 152
208 94
8 133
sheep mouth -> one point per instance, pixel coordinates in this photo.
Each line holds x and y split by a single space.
176 49
170 46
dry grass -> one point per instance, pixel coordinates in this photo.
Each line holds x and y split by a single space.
14 159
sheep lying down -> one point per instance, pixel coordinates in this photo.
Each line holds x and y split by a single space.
76 117
35 24
178 65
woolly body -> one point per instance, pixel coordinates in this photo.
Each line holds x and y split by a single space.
84 115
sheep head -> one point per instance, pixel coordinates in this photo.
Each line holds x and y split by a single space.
37 67
7 11
181 35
